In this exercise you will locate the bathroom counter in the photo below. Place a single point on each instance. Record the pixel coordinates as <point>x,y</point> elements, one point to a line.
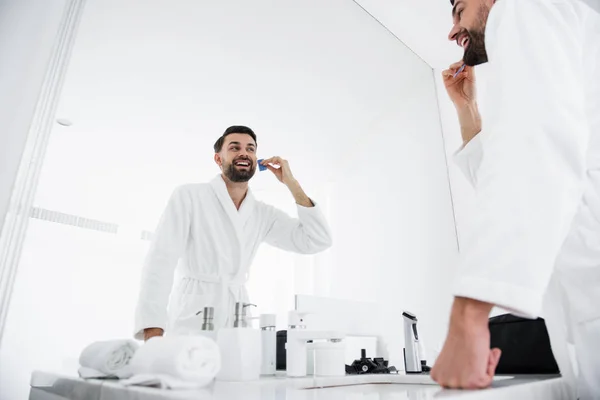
<point>48,386</point>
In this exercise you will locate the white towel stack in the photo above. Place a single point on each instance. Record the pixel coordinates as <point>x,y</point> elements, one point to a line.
<point>107,359</point>
<point>175,362</point>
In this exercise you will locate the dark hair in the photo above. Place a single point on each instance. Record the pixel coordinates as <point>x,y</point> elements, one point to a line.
<point>452,2</point>
<point>233,129</point>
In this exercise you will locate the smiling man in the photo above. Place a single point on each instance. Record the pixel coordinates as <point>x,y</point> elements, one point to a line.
<point>216,229</point>
<point>534,160</point>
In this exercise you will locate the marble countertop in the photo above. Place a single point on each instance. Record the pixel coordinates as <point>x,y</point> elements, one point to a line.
<point>49,386</point>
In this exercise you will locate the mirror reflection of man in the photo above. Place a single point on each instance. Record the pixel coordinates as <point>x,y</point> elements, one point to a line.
<point>215,229</point>
<point>534,160</point>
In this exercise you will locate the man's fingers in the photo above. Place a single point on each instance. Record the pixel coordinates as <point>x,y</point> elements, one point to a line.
<point>446,74</point>
<point>449,74</point>
<point>273,160</point>
<point>470,381</point>
<point>434,374</point>
<point>442,378</point>
<point>273,166</point>
<point>498,353</point>
<point>493,361</point>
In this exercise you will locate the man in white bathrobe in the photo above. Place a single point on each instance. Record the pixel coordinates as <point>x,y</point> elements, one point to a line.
<point>534,159</point>
<point>214,230</point>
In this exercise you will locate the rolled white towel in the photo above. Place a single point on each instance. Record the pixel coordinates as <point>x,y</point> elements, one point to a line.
<point>107,359</point>
<point>175,362</point>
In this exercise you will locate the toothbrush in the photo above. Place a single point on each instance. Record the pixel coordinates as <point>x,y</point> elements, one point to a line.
<point>460,70</point>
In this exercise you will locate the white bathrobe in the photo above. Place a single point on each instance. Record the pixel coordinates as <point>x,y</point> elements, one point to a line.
<point>536,169</point>
<point>215,244</point>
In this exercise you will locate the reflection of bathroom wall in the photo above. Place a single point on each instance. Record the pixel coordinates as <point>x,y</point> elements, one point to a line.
<point>78,282</point>
<point>22,71</point>
<point>28,34</point>
<point>73,286</point>
<point>395,236</point>
<point>150,87</point>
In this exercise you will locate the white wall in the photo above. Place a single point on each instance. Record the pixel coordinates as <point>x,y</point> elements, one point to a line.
<point>27,32</point>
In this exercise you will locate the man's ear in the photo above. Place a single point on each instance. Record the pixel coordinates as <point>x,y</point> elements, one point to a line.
<point>218,159</point>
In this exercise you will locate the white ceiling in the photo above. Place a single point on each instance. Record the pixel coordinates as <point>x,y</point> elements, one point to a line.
<point>422,25</point>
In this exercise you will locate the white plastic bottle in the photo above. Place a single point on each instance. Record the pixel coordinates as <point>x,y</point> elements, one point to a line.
<point>269,344</point>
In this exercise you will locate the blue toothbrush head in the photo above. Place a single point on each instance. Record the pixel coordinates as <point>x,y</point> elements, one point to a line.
<point>260,166</point>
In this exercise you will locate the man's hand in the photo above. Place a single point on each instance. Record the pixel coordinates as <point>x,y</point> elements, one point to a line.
<point>466,361</point>
<point>284,174</point>
<point>462,88</point>
<point>282,171</point>
<point>151,332</point>
<point>462,92</point>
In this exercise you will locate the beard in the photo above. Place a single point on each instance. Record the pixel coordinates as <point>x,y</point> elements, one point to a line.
<point>234,174</point>
<point>476,53</point>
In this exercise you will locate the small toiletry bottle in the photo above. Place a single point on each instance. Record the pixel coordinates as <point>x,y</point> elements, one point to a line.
<point>269,344</point>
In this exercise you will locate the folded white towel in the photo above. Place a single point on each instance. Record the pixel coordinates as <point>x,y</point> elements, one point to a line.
<point>107,359</point>
<point>175,362</point>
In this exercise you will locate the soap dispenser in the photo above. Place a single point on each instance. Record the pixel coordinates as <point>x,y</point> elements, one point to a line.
<point>240,320</point>
<point>208,327</point>
<point>269,344</point>
<point>241,349</point>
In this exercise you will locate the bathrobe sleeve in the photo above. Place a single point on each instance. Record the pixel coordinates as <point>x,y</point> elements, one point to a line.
<point>168,245</point>
<point>528,162</point>
<point>308,234</point>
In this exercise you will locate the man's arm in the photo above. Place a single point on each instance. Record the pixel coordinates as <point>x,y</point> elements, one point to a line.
<point>530,174</point>
<point>461,88</point>
<point>152,332</point>
<point>299,195</point>
<point>470,121</point>
<point>281,169</point>
<point>307,234</point>
<point>533,144</point>
<point>310,232</point>
<point>167,246</point>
